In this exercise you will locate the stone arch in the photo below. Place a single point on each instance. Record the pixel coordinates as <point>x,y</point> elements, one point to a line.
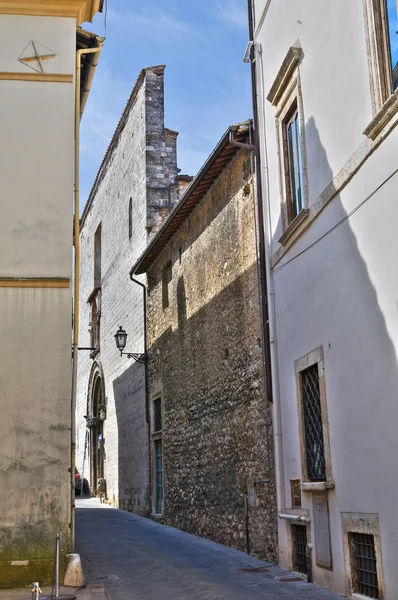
<point>96,415</point>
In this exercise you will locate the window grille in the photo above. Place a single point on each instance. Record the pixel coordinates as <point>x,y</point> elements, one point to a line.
<point>314,446</point>
<point>157,415</point>
<point>299,535</point>
<point>364,565</point>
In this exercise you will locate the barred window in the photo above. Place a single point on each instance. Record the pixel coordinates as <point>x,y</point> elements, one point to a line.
<point>363,564</point>
<point>299,535</point>
<point>157,415</point>
<point>313,430</point>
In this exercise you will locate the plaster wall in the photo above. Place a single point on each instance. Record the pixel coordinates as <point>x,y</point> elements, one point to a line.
<point>36,158</point>
<point>335,285</point>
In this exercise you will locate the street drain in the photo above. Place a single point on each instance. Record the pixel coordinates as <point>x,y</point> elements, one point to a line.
<point>289,579</point>
<point>255,570</point>
<point>106,577</point>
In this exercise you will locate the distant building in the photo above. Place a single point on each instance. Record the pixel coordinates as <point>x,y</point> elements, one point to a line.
<point>210,425</point>
<point>328,114</point>
<point>38,44</point>
<point>134,191</point>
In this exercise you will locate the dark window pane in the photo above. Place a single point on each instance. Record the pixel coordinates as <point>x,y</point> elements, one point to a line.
<point>157,415</point>
<point>311,397</point>
<point>299,535</point>
<point>295,167</point>
<point>364,564</point>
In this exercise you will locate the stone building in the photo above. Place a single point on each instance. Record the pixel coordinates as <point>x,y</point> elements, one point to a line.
<point>211,430</point>
<point>328,114</point>
<point>133,192</point>
<point>39,117</point>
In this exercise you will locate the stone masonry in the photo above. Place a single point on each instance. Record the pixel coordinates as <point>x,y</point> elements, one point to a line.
<point>135,188</point>
<point>206,366</point>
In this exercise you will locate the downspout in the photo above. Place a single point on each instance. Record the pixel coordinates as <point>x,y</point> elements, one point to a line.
<point>76,237</point>
<point>266,282</point>
<point>144,292</point>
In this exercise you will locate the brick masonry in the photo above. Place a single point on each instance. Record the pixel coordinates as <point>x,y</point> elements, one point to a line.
<point>140,165</point>
<point>207,368</point>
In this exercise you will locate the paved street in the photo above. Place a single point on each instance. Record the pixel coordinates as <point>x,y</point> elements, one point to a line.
<point>136,558</point>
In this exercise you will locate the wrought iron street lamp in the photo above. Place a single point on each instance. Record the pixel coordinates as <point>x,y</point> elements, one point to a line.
<point>121,340</point>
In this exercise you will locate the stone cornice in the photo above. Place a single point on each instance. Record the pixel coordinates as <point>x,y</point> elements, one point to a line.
<point>81,10</point>
<point>284,75</point>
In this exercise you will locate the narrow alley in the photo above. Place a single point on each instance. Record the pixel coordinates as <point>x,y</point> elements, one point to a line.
<point>136,558</point>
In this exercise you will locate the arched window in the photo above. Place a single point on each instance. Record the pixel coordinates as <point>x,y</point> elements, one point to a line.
<point>130,218</point>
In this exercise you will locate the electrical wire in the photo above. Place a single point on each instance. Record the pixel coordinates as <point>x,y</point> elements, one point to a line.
<point>345,218</point>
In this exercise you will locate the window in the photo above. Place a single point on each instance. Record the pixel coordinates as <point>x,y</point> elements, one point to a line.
<point>130,218</point>
<point>157,449</point>
<point>167,275</point>
<point>363,555</point>
<point>285,95</point>
<point>363,564</point>
<point>97,257</point>
<point>382,46</point>
<point>293,163</point>
<point>313,422</point>
<point>159,476</point>
<point>157,415</point>
<point>299,537</point>
<point>312,416</point>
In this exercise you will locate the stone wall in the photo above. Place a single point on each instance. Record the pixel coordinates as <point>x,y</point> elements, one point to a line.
<point>207,367</point>
<point>141,157</point>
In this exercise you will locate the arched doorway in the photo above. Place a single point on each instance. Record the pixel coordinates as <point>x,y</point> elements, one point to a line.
<point>97,436</point>
<point>96,415</point>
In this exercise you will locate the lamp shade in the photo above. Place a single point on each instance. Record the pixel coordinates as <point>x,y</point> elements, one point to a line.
<point>121,338</point>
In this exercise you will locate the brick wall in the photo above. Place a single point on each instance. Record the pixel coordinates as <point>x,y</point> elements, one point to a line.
<point>140,156</point>
<point>207,367</point>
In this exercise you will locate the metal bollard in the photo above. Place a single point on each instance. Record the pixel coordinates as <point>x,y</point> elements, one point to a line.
<point>36,591</point>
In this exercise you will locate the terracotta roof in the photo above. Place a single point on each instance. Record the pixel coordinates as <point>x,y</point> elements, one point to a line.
<point>213,167</point>
<point>158,69</point>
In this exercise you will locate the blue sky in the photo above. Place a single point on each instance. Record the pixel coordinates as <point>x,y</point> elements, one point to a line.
<point>207,85</point>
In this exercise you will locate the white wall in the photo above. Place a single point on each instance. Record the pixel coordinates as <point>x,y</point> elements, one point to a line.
<point>340,292</point>
<point>36,171</point>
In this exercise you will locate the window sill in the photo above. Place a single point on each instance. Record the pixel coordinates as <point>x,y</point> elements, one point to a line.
<point>318,486</point>
<point>383,117</point>
<point>295,224</point>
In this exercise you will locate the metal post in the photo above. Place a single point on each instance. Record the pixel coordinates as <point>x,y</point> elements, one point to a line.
<point>58,545</point>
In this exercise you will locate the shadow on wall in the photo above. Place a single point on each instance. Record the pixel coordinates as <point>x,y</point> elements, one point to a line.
<point>324,295</point>
<point>217,431</point>
<point>133,449</point>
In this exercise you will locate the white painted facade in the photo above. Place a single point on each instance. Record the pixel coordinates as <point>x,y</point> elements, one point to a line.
<point>37,152</point>
<point>335,278</point>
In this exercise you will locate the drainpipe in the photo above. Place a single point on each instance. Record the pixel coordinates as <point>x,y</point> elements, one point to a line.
<point>266,282</point>
<point>148,420</point>
<point>76,236</point>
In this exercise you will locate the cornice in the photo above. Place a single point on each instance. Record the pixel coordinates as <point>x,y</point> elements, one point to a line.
<point>81,10</point>
<point>285,73</point>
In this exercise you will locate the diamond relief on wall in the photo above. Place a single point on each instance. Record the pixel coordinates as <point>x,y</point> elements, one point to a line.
<point>37,57</point>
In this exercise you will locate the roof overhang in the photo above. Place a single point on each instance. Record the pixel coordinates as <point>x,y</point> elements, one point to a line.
<point>81,10</point>
<point>85,40</point>
<point>222,155</point>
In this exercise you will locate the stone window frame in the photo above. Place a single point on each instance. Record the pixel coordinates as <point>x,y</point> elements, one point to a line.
<point>384,99</point>
<point>315,357</point>
<point>367,523</point>
<point>285,94</point>
<point>156,436</point>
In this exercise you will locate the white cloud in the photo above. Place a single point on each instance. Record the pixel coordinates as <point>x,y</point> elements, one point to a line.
<point>233,12</point>
<point>161,26</point>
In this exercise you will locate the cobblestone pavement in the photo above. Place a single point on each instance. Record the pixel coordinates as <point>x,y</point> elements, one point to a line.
<point>91,592</point>
<point>138,559</point>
